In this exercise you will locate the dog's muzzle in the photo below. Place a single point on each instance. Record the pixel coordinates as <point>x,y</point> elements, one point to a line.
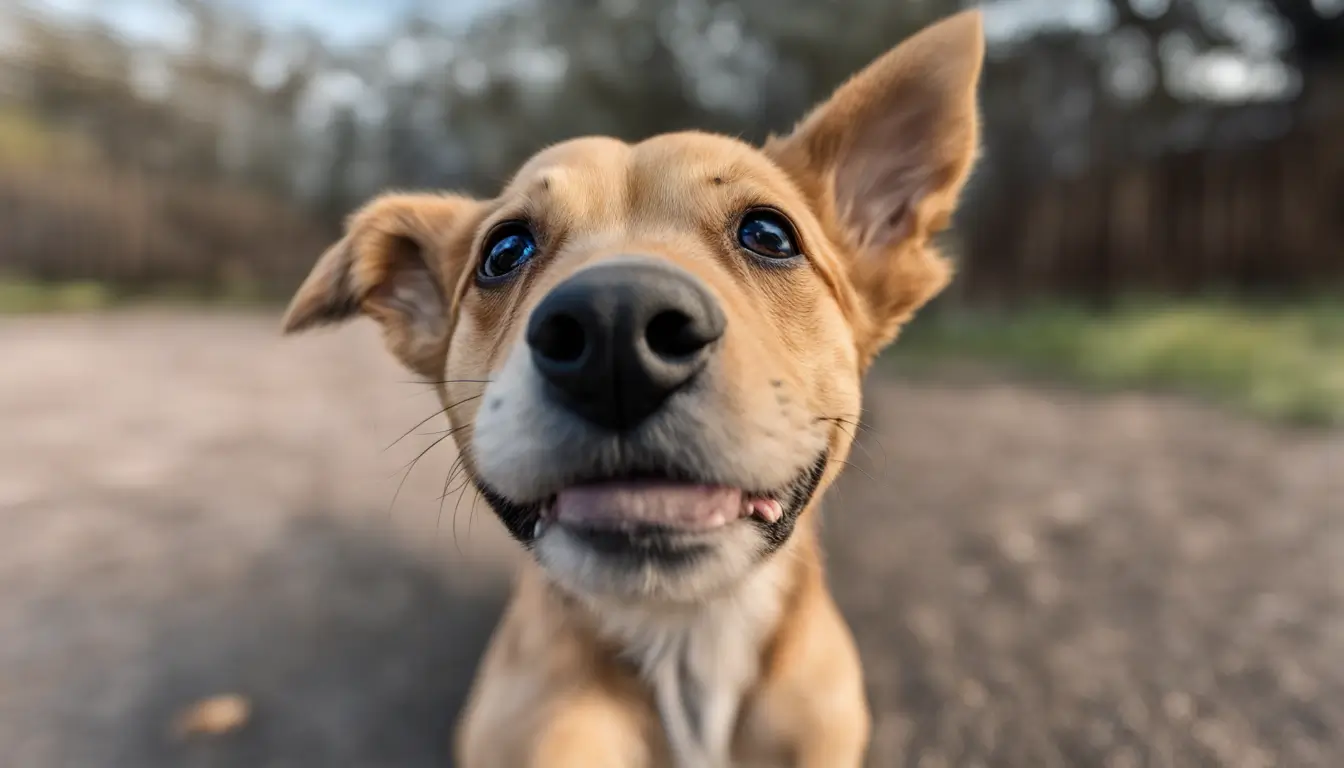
<point>614,341</point>
<point>616,443</point>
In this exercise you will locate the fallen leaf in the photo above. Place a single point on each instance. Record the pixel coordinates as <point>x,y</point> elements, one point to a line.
<point>214,716</point>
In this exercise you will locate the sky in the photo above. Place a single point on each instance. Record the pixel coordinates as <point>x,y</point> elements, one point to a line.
<point>344,22</point>
<point>341,22</point>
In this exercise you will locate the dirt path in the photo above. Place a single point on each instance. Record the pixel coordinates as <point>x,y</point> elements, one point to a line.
<point>191,505</point>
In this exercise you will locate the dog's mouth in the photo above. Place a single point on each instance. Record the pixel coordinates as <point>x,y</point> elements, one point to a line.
<point>646,506</point>
<point>676,507</point>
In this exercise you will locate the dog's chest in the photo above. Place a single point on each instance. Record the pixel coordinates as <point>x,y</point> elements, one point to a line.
<point>700,663</point>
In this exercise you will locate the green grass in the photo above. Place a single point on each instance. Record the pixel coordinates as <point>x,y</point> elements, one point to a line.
<point>22,297</point>
<point>1284,361</point>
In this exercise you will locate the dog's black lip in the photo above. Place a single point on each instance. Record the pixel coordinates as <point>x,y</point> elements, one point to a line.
<point>642,543</point>
<point>521,518</point>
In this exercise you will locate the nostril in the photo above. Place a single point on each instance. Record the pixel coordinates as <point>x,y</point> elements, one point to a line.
<point>561,339</point>
<point>671,334</point>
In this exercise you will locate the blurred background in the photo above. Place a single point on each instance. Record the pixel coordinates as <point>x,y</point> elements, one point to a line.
<point>1095,517</point>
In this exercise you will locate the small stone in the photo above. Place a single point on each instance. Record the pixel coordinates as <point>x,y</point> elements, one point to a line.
<point>973,694</point>
<point>1019,546</point>
<point>1178,706</point>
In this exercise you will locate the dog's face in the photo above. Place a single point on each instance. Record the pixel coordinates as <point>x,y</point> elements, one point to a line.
<point>651,354</point>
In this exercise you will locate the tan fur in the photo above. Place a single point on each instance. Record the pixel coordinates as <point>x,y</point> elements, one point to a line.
<point>580,676</point>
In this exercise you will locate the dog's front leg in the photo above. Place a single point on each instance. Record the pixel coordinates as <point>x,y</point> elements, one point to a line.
<point>545,696</point>
<point>576,730</point>
<point>810,708</point>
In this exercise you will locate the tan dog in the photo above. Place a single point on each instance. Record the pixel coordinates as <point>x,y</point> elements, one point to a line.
<point>651,356</point>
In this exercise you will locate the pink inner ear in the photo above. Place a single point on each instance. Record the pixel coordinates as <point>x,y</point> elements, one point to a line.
<point>877,201</point>
<point>410,289</point>
<point>883,174</point>
<point>883,219</point>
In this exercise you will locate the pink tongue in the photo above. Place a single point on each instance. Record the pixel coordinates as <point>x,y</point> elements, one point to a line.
<point>692,507</point>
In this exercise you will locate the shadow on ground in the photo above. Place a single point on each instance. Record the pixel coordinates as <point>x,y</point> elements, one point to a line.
<point>351,651</point>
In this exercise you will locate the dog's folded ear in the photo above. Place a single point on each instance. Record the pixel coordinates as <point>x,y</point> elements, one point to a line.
<point>885,158</point>
<point>398,263</point>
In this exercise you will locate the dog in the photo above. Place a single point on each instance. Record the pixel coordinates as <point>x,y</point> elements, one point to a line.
<point>651,357</point>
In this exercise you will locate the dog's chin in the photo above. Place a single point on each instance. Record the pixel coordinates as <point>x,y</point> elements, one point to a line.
<point>649,536</point>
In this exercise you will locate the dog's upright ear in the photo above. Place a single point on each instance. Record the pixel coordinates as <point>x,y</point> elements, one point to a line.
<point>399,262</point>
<point>883,161</point>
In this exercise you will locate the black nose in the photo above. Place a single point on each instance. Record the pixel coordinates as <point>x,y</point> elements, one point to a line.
<point>615,340</point>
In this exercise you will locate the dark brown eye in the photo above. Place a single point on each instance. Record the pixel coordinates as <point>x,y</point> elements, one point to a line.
<point>767,234</point>
<point>510,247</point>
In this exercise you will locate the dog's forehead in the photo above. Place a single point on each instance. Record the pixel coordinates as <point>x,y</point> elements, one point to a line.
<point>605,166</point>
<point>588,156</point>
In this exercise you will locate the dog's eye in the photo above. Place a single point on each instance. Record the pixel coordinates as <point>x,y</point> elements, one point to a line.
<point>509,247</point>
<point>767,234</point>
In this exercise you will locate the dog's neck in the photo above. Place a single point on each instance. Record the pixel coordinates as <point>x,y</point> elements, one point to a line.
<point>701,660</point>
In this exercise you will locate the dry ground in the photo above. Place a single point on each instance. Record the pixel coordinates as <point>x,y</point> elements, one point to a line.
<point>192,506</point>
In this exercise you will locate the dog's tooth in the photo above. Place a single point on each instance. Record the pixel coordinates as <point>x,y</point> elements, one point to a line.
<point>768,510</point>
<point>540,528</point>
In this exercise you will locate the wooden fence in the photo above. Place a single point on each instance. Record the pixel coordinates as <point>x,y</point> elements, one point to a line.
<point>1252,219</point>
